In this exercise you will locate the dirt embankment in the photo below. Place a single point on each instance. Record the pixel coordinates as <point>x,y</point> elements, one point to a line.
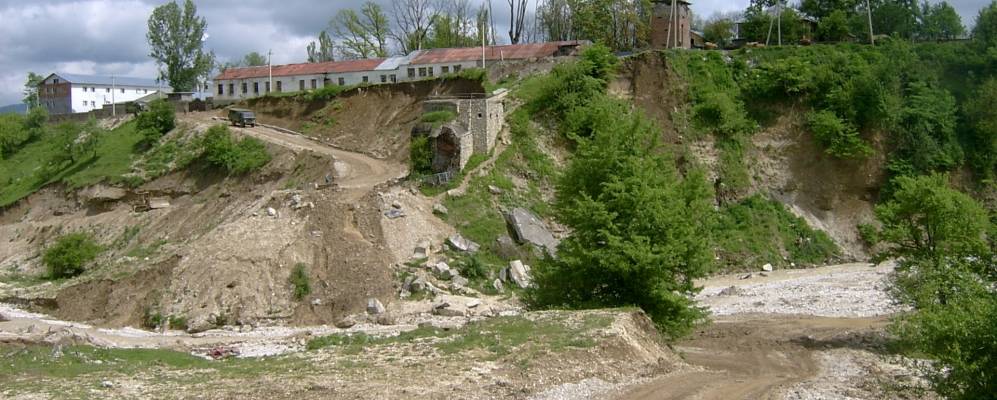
<point>784,161</point>
<point>375,120</point>
<point>223,251</point>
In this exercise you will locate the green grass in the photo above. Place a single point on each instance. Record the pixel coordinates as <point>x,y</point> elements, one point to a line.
<point>757,231</point>
<point>24,172</point>
<point>496,336</point>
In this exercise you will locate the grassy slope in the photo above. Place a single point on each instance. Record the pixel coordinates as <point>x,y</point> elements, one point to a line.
<point>22,176</point>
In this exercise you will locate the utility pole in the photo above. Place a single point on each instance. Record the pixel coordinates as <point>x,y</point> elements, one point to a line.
<point>484,35</point>
<point>270,67</point>
<point>868,9</point>
<point>779,20</point>
<point>114,107</point>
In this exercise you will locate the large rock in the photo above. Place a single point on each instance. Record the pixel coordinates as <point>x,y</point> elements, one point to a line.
<point>374,306</point>
<point>526,227</point>
<point>102,193</point>
<point>519,274</point>
<point>440,269</point>
<point>507,248</point>
<point>460,243</point>
<point>421,250</point>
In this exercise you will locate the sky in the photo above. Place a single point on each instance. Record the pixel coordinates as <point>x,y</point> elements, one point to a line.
<point>108,36</point>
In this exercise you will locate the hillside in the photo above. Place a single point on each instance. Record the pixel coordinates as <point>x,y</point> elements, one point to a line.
<point>311,239</point>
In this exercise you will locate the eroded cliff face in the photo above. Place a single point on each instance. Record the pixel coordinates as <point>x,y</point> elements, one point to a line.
<point>783,160</point>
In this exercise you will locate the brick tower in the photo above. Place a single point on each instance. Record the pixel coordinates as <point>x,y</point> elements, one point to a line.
<point>662,22</point>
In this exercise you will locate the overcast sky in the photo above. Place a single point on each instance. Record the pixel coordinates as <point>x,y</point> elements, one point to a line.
<point>108,36</point>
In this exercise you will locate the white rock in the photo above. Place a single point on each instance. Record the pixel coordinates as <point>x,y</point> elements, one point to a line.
<point>374,306</point>
<point>767,267</point>
<point>271,212</point>
<point>519,274</point>
<point>497,284</point>
<point>459,280</point>
<point>441,269</point>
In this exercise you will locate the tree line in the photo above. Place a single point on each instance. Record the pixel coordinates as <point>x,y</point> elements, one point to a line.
<point>836,20</point>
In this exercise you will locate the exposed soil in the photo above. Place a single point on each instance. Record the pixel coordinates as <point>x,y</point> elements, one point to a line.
<point>376,120</point>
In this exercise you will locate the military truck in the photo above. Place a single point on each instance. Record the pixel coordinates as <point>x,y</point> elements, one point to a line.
<point>241,117</point>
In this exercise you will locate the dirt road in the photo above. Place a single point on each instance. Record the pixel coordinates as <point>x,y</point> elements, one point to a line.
<point>352,170</point>
<point>771,330</point>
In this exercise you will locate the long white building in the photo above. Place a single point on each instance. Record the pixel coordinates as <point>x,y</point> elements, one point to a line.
<point>62,93</point>
<point>241,83</point>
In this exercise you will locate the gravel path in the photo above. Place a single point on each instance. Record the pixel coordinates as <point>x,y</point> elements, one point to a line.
<point>845,291</point>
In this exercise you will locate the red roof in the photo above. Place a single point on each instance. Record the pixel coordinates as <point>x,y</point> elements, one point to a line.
<point>329,67</point>
<point>507,52</point>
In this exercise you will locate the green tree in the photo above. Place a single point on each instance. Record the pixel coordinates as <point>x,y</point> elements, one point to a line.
<point>719,31</point>
<point>946,275</point>
<point>176,37</point>
<point>638,233</point>
<point>363,35</point>
<point>323,51</point>
<point>254,59</point>
<point>940,22</point>
<point>12,133</point>
<point>985,31</point>
<point>834,27</point>
<point>925,132</point>
<point>70,254</point>
<point>821,9</point>
<point>895,17</point>
<point>235,157</point>
<point>31,90</point>
<point>981,114</point>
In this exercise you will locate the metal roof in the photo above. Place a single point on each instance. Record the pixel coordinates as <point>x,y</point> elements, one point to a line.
<point>328,67</point>
<point>107,80</point>
<point>504,52</point>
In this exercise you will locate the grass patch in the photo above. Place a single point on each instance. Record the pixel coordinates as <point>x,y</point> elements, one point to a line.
<point>299,281</point>
<point>41,162</point>
<point>496,336</point>
<point>757,231</point>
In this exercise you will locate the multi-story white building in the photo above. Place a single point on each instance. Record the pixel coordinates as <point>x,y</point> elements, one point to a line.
<point>241,83</point>
<point>62,93</point>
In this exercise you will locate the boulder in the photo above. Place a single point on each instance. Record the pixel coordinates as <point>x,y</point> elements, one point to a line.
<point>346,323</point>
<point>418,284</point>
<point>494,190</point>
<point>507,248</point>
<point>449,309</point>
<point>421,250</point>
<point>526,227</point>
<point>271,212</point>
<point>519,274</point>
<point>458,280</point>
<point>394,213</point>
<point>374,306</point>
<point>440,209</point>
<point>102,193</point>
<point>767,267</point>
<point>497,284</point>
<point>504,274</point>
<point>440,269</point>
<point>459,243</point>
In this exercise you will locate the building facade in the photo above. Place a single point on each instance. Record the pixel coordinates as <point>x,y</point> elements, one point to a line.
<point>62,93</point>
<point>662,34</point>
<point>236,84</point>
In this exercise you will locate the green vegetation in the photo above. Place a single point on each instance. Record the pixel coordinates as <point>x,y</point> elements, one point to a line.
<point>438,118</point>
<point>300,282</point>
<point>155,122</point>
<point>496,336</point>
<point>235,157</point>
<point>70,254</point>
<point>759,231</point>
<point>17,130</point>
<point>947,276</point>
<point>838,137</point>
<point>421,155</point>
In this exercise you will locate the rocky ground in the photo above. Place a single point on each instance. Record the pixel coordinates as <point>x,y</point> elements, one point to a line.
<point>791,334</point>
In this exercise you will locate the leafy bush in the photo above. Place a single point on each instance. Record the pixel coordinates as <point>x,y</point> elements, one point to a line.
<point>723,114</point>
<point>420,155</point>
<point>981,114</point>
<point>947,276</point>
<point>235,157</point>
<point>155,122</point>
<point>985,30</point>
<point>299,281</point>
<point>326,93</point>
<point>473,268</point>
<point>834,27</point>
<point>70,253</point>
<point>926,130</point>
<point>838,137</point>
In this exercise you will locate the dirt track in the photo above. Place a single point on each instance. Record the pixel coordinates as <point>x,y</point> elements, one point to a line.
<point>771,330</point>
<point>353,170</point>
<point>755,356</point>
